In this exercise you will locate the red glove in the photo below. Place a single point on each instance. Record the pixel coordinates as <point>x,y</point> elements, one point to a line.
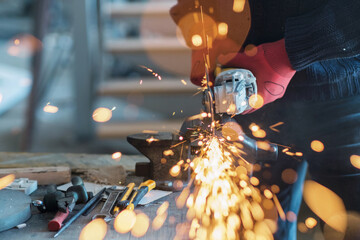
<point>270,65</point>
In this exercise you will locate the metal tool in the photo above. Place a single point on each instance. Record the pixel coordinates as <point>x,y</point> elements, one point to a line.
<point>106,211</point>
<point>135,198</point>
<point>232,90</point>
<point>14,208</point>
<point>74,195</point>
<point>81,211</point>
<point>124,196</point>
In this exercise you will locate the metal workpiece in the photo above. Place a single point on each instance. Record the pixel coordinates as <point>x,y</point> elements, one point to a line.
<point>15,208</point>
<point>160,162</point>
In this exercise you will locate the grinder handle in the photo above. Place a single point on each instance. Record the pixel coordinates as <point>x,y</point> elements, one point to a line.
<point>56,223</point>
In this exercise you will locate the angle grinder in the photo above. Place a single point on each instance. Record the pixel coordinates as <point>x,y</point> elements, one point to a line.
<point>230,96</point>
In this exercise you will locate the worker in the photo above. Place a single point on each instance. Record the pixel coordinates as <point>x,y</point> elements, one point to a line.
<point>305,57</point>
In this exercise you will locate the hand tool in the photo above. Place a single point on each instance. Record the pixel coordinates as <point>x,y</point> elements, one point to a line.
<point>230,96</point>
<point>83,209</point>
<point>125,195</point>
<point>106,211</point>
<point>74,194</point>
<point>135,198</point>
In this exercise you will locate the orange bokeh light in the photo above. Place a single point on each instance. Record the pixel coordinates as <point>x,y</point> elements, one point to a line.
<point>6,181</point>
<point>125,221</point>
<point>317,146</point>
<point>116,156</point>
<point>51,109</point>
<point>326,205</point>
<point>310,222</point>
<point>102,114</point>
<point>175,170</point>
<point>95,230</point>
<point>355,161</point>
<point>289,176</point>
<point>141,225</point>
<point>256,101</point>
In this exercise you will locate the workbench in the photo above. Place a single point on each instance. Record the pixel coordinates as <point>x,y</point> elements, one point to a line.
<point>36,228</point>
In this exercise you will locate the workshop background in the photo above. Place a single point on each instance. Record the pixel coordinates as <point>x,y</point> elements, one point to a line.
<point>62,60</point>
<point>79,76</point>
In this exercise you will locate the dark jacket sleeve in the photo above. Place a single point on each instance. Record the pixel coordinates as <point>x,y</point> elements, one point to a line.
<point>328,32</point>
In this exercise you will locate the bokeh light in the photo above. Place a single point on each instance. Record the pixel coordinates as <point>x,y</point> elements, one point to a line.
<point>317,146</point>
<point>289,176</point>
<point>355,160</point>
<point>116,156</point>
<point>196,40</point>
<point>326,205</point>
<point>6,181</point>
<point>141,225</point>
<point>102,114</point>
<point>256,101</point>
<point>95,230</point>
<point>125,221</point>
<point>50,109</point>
<point>310,222</point>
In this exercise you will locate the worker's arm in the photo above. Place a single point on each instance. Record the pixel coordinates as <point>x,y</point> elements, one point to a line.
<point>328,32</point>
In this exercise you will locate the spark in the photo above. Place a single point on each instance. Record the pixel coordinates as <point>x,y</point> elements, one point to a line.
<point>152,139</point>
<point>183,82</point>
<point>116,156</point>
<point>152,72</point>
<point>273,127</point>
<point>141,82</point>
<point>168,152</point>
<point>225,203</point>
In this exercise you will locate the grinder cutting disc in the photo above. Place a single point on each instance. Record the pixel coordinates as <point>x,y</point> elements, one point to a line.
<point>14,208</point>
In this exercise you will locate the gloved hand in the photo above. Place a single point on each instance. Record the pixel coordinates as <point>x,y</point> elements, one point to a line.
<point>270,65</point>
<point>205,17</point>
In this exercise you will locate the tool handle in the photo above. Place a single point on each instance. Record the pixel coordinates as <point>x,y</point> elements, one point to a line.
<point>139,195</point>
<point>81,211</point>
<point>56,223</point>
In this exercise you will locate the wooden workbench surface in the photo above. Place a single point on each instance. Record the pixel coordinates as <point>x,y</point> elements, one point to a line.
<point>36,228</point>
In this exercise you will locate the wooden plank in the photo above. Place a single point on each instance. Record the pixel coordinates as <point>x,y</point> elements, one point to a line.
<point>120,87</point>
<point>74,161</point>
<point>123,129</point>
<point>44,175</point>
<point>138,9</point>
<point>170,45</point>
